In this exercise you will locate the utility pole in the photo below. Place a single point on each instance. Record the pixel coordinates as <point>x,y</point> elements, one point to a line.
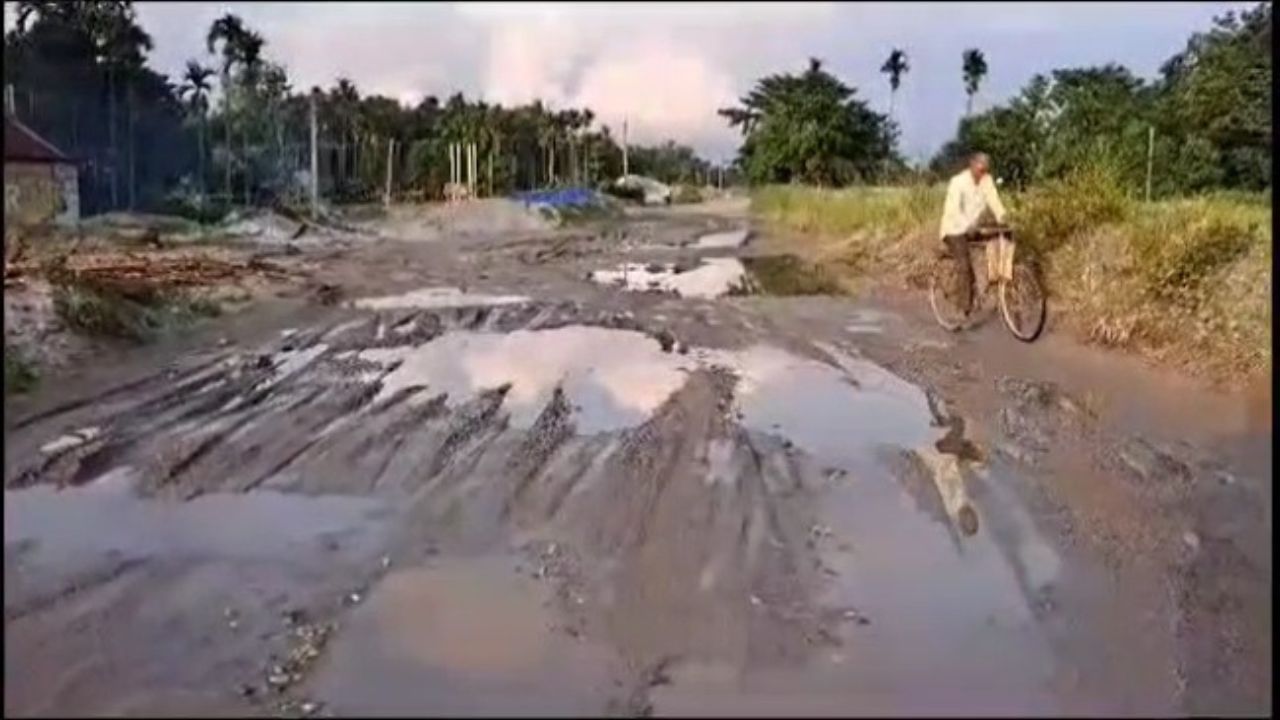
<point>386,197</point>
<point>626,168</point>
<point>315,162</point>
<point>1151,154</point>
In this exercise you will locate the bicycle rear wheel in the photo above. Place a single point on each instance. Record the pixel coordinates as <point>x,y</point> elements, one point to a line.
<point>944,294</point>
<point>1022,304</point>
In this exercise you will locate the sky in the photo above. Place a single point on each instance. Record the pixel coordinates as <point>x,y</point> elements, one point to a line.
<point>667,67</point>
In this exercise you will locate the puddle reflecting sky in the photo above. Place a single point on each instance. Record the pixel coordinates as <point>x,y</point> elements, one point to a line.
<point>435,298</point>
<point>836,414</point>
<point>613,378</point>
<point>712,278</point>
<point>106,517</point>
<point>728,239</point>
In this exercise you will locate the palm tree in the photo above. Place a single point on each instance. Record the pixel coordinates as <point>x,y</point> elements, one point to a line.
<point>975,69</point>
<point>895,67</point>
<point>345,103</point>
<point>249,55</point>
<point>196,88</point>
<point>228,31</point>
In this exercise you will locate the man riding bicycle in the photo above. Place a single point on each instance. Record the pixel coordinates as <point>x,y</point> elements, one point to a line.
<point>971,200</point>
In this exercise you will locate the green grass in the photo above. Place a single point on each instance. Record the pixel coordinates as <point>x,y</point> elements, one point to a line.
<point>20,372</point>
<point>1187,282</point>
<point>140,317</point>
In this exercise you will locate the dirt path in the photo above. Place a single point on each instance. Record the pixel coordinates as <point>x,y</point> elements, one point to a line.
<point>490,485</point>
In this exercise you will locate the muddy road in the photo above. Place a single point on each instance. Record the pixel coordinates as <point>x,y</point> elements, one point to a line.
<point>601,470</point>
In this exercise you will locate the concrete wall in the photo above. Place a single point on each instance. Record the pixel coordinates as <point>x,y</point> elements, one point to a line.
<point>40,192</point>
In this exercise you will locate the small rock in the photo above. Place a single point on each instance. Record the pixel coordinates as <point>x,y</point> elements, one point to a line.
<point>352,598</point>
<point>223,342</point>
<point>667,340</point>
<point>386,562</point>
<point>1191,540</point>
<point>247,690</point>
<point>755,600</point>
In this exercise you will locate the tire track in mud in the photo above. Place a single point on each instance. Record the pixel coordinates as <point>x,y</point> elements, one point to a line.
<point>686,537</point>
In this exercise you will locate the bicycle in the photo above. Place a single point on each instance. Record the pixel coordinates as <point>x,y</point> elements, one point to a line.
<point>1020,296</point>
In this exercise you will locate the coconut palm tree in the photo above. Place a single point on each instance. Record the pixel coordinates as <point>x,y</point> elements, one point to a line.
<point>196,87</point>
<point>974,67</point>
<point>225,38</point>
<point>895,67</point>
<point>249,55</point>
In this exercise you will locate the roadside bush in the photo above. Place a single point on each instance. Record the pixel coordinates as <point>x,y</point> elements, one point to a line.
<point>685,195</point>
<point>137,316</point>
<point>1052,214</point>
<point>20,373</point>
<point>1187,282</point>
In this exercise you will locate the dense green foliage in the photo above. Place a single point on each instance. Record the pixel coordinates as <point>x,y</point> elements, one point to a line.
<point>810,128</point>
<point>670,163</point>
<point>1209,114</point>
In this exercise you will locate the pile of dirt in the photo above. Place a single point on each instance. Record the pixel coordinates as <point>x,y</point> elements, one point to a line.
<point>49,288</point>
<point>431,223</point>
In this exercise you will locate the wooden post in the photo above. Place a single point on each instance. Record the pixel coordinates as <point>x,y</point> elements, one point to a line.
<point>386,197</point>
<point>315,161</point>
<point>1151,153</point>
<point>626,168</point>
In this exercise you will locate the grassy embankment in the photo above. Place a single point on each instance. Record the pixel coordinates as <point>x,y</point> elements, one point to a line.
<point>1186,282</point>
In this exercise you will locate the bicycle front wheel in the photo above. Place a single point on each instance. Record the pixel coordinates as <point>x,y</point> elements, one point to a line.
<point>1022,304</point>
<point>944,295</point>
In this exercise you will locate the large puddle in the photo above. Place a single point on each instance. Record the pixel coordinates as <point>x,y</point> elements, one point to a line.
<point>463,636</point>
<point>614,379</point>
<point>711,278</point>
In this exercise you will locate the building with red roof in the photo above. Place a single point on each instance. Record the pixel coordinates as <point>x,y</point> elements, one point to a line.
<point>41,184</point>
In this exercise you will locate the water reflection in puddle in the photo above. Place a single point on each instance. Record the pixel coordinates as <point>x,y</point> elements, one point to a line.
<point>837,414</point>
<point>713,277</point>
<point>106,517</point>
<point>612,378</point>
<point>437,298</point>
<point>465,635</point>
<point>728,239</point>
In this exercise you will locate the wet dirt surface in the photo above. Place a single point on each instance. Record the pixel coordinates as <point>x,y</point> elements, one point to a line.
<point>488,485</point>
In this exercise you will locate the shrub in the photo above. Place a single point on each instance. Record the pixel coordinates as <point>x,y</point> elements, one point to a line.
<point>685,195</point>
<point>138,315</point>
<point>20,373</point>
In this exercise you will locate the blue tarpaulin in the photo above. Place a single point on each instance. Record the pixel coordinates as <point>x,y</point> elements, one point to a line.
<point>564,198</point>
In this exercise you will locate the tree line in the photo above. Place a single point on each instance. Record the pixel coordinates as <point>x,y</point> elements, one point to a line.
<point>1204,124</point>
<point>234,127</point>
